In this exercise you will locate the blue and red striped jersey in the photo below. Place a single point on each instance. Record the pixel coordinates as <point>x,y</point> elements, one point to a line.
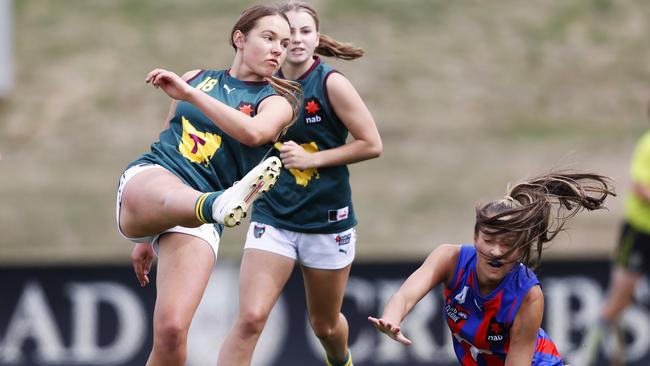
<point>480,325</point>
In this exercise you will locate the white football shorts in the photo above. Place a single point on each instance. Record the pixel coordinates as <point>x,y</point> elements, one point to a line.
<point>319,251</point>
<point>207,232</point>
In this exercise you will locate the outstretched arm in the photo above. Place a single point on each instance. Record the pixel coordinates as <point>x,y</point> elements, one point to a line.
<point>273,115</point>
<point>437,268</point>
<point>523,334</point>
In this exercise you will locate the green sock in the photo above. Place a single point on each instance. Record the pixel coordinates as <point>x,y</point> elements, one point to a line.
<point>346,362</point>
<point>203,207</point>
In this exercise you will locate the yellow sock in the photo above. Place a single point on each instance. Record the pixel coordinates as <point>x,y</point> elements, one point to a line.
<point>346,362</point>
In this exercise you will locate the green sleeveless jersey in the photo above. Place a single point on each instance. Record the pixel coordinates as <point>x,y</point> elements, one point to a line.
<point>311,200</point>
<point>199,152</point>
<point>637,210</point>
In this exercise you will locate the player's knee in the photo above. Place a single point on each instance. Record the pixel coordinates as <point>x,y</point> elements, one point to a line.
<point>323,328</point>
<point>252,322</point>
<point>170,334</point>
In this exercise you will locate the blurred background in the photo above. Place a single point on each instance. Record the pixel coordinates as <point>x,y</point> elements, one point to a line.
<point>468,97</point>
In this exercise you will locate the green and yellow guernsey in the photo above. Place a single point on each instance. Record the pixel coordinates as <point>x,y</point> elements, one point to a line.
<point>199,152</point>
<point>637,210</point>
<point>311,200</point>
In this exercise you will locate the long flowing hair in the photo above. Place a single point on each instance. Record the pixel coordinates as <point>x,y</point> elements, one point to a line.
<point>527,209</point>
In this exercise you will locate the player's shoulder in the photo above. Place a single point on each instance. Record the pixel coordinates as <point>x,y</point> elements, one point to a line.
<point>535,293</point>
<point>334,80</point>
<point>449,250</point>
<point>447,254</point>
<point>191,74</point>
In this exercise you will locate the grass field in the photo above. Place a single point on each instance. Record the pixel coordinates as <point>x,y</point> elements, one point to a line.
<point>468,96</point>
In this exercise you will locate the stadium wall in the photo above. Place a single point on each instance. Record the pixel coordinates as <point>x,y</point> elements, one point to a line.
<point>100,316</point>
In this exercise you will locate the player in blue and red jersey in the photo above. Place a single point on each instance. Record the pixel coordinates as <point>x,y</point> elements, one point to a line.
<point>493,301</point>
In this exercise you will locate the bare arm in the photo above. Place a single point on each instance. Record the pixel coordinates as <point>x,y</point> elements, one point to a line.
<point>523,333</point>
<point>356,117</point>
<point>273,115</point>
<point>437,268</point>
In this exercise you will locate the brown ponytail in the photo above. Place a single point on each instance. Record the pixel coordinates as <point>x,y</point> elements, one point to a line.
<point>292,92</point>
<point>330,47</point>
<point>526,209</point>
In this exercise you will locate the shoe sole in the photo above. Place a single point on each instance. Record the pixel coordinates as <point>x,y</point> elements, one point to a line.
<point>260,181</point>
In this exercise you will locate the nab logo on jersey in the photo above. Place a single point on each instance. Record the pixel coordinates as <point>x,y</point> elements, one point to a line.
<point>496,331</point>
<point>312,111</point>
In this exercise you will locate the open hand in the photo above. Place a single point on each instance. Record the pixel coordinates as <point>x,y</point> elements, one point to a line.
<point>390,330</point>
<point>172,84</point>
